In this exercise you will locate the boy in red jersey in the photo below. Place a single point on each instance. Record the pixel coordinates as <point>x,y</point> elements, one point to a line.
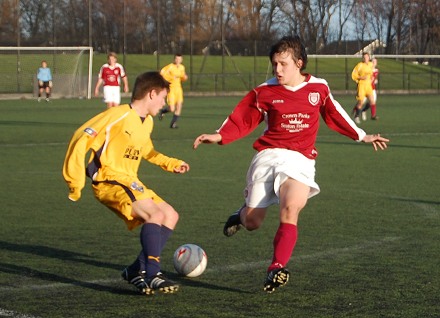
<point>283,169</point>
<point>110,75</point>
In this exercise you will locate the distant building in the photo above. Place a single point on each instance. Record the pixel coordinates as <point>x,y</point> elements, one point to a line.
<point>354,47</point>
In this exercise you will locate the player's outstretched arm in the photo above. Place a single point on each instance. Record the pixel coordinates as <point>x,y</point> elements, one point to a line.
<point>184,167</point>
<point>377,141</point>
<point>207,139</point>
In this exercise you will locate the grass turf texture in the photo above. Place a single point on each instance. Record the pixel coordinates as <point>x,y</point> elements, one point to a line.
<point>368,244</point>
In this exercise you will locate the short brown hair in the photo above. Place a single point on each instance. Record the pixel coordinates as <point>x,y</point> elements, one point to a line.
<point>112,54</point>
<point>147,82</point>
<point>292,44</point>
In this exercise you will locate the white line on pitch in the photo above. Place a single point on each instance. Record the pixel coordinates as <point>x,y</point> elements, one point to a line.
<point>13,314</point>
<point>331,253</point>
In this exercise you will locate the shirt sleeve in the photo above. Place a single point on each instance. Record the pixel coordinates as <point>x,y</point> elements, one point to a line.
<point>101,72</point>
<point>74,167</point>
<point>163,161</point>
<point>165,72</point>
<point>243,120</point>
<point>122,71</point>
<point>355,73</point>
<point>338,120</point>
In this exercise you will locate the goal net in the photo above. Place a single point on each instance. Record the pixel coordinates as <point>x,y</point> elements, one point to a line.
<point>71,69</point>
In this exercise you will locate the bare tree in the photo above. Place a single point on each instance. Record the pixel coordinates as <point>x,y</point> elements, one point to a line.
<point>345,9</point>
<point>8,21</point>
<point>425,26</point>
<point>145,26</point>
<point>310,19</point>
<point>37,20</point>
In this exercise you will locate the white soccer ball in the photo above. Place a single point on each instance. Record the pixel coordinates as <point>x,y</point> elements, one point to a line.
<point>190,260</point>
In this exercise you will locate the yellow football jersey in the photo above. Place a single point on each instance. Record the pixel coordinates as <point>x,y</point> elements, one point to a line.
<point>173,73</point>
<point>362,69</point>
<point>118,139</point>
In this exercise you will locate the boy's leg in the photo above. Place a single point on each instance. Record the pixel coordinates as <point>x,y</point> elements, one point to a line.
<point>372,100</point>
<point>140,264</point>
<point>173,123</point>
<point>157,215</point>
<point>293,197</point>
<point>163,111</point>
<point>357,112</point>
<point>176,116</point>
<point>151,247</point>
<point>249,218</point>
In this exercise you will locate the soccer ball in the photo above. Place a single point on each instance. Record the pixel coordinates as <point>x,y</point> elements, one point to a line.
<point>190,260</point>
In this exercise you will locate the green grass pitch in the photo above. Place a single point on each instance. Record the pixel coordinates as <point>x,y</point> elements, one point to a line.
<point>368,244</point>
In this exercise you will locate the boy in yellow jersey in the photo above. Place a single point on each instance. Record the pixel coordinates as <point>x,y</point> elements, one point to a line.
<point>361,74</point>
<point>175,74</point>
<point>118,139</point>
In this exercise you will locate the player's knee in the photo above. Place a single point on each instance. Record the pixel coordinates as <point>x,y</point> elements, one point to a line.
<point>252,223</point>
<point>172,217</point>
<point>290,213</point>
<point>157,217</point>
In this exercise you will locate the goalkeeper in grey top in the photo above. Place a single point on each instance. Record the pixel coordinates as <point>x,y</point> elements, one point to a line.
<point>44,77</point>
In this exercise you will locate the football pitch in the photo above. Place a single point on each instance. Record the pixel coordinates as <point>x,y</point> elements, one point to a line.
<point>368,244</point>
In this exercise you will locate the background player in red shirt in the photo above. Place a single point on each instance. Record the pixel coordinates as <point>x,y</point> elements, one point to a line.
<point>283,169</point>
<point>110,75</point>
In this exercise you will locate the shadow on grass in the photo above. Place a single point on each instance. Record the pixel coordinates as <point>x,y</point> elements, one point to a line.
<point>23,271</point>
<point>51,252</point>
<point>64,255</point>
<point>184,281</point>
<point>416,201</point>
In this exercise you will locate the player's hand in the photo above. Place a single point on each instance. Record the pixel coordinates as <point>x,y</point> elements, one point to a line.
<point>207,139</point>
<point>184,167</point>
<point>74,194</point>
<point>40,83</point>
<point>96,93</point>
<point>126,89</point>
<point>377,141</point>
<point>50,84</point>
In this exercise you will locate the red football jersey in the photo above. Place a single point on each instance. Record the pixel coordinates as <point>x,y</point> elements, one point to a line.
<point>291,115</point>
<point>110,75</point>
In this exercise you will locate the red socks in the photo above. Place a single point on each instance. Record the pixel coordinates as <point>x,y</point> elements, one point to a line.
<point>373,110</point>
<point>283,244</point>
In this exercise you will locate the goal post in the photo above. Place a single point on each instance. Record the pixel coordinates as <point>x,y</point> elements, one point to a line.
<point>71,69</point>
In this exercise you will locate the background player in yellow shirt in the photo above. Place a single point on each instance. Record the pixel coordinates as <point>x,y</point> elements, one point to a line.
<point>374,82</point>
<point>361,74</point>
<point>175,74</point>
<point>118,139</point>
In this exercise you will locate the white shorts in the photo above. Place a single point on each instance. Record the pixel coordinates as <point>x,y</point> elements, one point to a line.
<point>270,168</point>
<point>112,94</point>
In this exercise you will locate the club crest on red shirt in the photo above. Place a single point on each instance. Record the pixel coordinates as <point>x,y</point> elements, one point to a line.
<point>314,98</point>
